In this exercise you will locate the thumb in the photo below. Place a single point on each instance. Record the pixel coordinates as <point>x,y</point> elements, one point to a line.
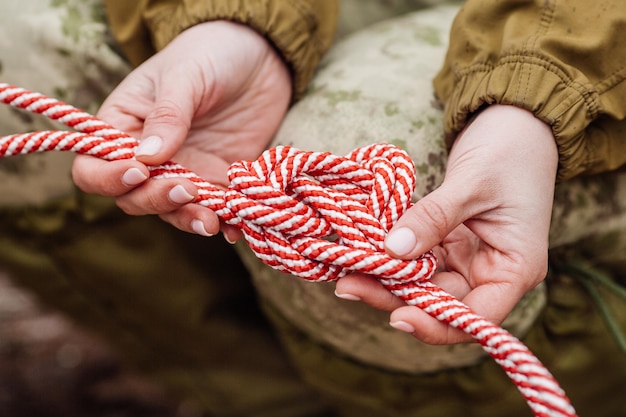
<point>167,124</point>
<point>424,225</point>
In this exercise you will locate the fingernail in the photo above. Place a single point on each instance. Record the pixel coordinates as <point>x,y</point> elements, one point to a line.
<point>232,242</point>
<point>401,241</point>
<point>149,146</point>
<point>350,297</point>
<point>403,326</point>
<point>134,176</point>
<point>198,227</point>
<point>179,195</point>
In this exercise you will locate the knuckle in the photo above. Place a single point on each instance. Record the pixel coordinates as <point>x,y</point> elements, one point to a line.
<point>108,188</point>
<point>165,112</point>
<point>434,214</point>
<point>430,339</point>
<point>430,334</point>
<point>136,205</point>
<point>154,204</point>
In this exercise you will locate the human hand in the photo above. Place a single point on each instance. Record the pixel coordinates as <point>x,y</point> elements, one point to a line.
<point>216,94</point>
<point>488,223</point>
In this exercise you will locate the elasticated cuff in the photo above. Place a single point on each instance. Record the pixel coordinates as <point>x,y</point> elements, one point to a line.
<point>561,100</point>
<point>300,31</point>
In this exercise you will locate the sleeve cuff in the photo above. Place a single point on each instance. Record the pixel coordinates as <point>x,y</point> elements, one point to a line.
<point>300,31</point>
<point>566,102</point>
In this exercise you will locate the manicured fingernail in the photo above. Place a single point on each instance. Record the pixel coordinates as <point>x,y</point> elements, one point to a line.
<point>401,241</point>
<point>179,195</point>
<point>403,326</point>
<point>149,146</point>
<point>227,239</point>
<point>350,297</point>
<point>134,176</point>
<point>198,227</point>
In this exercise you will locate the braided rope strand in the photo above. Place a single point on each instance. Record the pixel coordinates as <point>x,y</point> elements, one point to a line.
<point>314,215</point>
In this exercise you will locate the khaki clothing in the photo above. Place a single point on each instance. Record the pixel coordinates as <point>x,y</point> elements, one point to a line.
<point>562,60</point>
<point>366,91</point>
<point>382,61</point>
<point>181,309</point>
<point>301,30</point>
<point>50,49</point>
<point>178,308</point>
<point>566,69</point>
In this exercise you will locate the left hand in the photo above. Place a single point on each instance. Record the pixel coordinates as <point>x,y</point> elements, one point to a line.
<point>216,94</point>
<point>488,222</point>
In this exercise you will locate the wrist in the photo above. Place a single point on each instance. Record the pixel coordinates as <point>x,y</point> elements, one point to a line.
<point>513,129</point>
<point>505,153</point>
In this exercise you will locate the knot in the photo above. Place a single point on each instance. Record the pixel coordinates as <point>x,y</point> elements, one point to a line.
<point>320,216</point>
<point>314,215</point>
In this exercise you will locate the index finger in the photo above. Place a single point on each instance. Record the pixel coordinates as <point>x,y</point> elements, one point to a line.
<point>108,178</point>
<point>492,301</point>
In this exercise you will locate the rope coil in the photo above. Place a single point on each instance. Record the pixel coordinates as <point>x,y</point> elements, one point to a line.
<point>314,215</point>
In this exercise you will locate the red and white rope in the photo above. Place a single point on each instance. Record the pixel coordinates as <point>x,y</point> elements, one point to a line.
<point>314,215</point>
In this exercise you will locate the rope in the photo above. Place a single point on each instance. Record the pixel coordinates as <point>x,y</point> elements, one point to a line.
<point>314,215</point>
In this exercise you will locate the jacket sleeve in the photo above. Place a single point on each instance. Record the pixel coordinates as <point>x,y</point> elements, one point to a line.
<point>564,60</point>
<point>301,30</point>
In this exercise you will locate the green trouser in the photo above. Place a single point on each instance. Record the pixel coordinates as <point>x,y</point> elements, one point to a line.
<point>375,85</point>
<point>178,307</point>
<point>181,308</point>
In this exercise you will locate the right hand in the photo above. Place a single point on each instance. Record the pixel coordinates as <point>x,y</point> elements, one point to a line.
<point>488,224</point>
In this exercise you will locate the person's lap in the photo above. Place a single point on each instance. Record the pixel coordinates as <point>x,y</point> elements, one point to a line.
<point>375,86</point>
<point>179,308</point>
<point>81,254</point>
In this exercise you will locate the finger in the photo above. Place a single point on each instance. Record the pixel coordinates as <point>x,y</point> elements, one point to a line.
<point>208,166</point>
<point>492,302</point>
<point>158,197</point>
<point>121,119</point>
<point>194,218</point>
<point>231,233</point>
<point>361,287</point>
<point>425,224</point>
<point>453,283</point>
<point>109,178</point>
<point>441,255</point>
<point>128,104</point>
<point>167,124</point>
<point>427,329</point>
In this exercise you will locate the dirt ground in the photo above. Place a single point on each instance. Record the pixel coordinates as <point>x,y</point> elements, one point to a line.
<point>51,368</point>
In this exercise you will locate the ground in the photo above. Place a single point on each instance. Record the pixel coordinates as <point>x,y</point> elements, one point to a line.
<point>49,367</point>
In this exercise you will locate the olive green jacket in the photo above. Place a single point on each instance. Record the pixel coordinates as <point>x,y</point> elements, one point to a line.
<point>564,60</point>
<point>301,30</point>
